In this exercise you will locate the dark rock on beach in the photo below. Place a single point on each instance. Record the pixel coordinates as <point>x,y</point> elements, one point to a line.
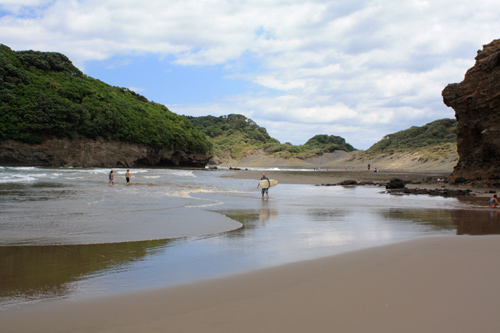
<point>395,183</point>
<point>348,182</point>
<point>436,192</point>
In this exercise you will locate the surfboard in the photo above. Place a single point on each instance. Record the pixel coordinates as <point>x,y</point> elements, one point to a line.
<point>265,184</point>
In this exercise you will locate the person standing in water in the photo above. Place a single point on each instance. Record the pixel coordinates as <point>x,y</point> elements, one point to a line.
<point>265,190</point>
<point>127,176</point>
<point>493,200</point>
<point>111,178</point>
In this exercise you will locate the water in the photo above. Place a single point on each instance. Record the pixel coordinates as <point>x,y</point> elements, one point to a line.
<point>65,234</point>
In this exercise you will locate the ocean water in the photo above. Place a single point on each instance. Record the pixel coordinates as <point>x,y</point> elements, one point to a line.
<point>66,235</point>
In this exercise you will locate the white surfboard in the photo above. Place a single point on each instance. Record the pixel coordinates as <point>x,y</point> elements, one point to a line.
<point>265,184</point>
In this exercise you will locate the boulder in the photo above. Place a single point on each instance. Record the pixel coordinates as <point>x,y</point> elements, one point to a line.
<point>395,183</point>
<point>348,182</point>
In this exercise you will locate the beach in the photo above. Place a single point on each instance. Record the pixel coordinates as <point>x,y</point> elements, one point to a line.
<point>328,176</point>
<point>425,179</point>
<point>433,284</point>
<point>436,283</point>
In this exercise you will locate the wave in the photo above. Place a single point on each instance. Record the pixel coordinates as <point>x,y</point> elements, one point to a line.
<point>17,179</point>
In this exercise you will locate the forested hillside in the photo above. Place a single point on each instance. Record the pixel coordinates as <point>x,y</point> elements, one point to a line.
<point>434,133</point>
<point>236,136</point>
<point>43,95</point>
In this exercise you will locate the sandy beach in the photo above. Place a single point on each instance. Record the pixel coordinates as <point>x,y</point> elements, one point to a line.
<point>336,176</point>
<point>420,178</point>
<point>429,284</point>
<point>433,284</point>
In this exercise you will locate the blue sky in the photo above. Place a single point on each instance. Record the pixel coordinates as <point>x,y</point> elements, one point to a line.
<point>359,69</point>
<point>163,82</point>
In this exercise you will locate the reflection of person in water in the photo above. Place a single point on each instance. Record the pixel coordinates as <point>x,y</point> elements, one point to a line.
<point>493,201</point>
<point>264,212</point>
<point>267,212</point>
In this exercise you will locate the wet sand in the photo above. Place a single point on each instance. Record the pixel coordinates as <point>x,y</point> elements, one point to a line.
<point>419,179</point>
<point>432,284</point>
<point>336,176</point>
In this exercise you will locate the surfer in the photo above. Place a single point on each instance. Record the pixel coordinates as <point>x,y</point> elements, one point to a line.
<point>493,200</point>
<point>127,176</point>
<point>265,190</point>
<point>111,178</point>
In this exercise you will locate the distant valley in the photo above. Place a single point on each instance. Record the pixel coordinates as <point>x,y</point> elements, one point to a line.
<point>240,142</point>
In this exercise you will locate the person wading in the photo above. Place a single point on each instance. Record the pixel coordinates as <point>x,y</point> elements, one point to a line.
<point>265,190</point>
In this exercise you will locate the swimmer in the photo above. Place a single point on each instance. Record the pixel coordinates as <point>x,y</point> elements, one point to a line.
<point>493,200</point>
<point>111,178</point>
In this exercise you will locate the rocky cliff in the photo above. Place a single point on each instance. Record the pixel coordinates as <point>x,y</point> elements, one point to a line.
<point>476,101</point>
<point>95,153</point>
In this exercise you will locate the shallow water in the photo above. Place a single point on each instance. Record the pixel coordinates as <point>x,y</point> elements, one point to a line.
<point>64,234</point>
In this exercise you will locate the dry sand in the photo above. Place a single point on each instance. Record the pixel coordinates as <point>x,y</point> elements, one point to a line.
<point>443,157</point>
<point>433,284</point>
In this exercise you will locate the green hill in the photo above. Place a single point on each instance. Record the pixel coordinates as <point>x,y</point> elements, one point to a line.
<point>43,95</point>
<point>329,143</point>
<point>432,147</point>
<point>434,133</point>
<point>235,136</point>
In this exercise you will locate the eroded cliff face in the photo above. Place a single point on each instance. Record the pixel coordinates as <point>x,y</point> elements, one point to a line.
<point>95,153</point>
<point>476,101</point>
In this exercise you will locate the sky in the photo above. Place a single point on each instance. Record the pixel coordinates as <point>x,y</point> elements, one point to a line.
<point>359,69</point>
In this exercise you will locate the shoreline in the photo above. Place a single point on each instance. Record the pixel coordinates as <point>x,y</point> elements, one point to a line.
<point>419,179</point>
<point>432,284</point>
<point>335,176</point>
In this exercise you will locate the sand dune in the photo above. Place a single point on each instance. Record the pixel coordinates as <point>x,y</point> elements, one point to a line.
<point>357,160</point>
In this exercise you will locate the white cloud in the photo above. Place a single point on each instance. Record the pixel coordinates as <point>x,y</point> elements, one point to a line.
<point>360,67</point>
<point>137,89</point>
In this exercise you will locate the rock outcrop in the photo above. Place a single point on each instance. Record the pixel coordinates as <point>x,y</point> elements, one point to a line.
<point>476,101</point>
<point>95,153</point>
<point>443,192</point>
<point>395,183</point>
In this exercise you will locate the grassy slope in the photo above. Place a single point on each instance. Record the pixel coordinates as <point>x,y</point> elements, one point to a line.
<point>236,138</point>
<point>442,157</point>
<point>436,157</point>
<point>430,147</point>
